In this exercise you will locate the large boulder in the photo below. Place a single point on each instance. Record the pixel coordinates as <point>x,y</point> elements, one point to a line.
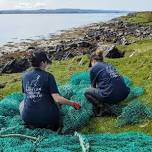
<point>15,66</point>
<point>113,52</point>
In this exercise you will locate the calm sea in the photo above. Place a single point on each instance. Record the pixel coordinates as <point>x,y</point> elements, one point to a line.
<point>34,26</point>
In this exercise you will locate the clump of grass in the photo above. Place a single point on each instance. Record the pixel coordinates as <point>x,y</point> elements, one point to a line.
<point>13,83</point>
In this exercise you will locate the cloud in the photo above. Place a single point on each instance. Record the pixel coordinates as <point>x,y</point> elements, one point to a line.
<point>39,5</point>
<point>23,5</point>
<point>28,5</point>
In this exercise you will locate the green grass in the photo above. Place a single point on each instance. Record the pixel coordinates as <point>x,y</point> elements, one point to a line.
<point>138,67</point>
<point>140,17</point>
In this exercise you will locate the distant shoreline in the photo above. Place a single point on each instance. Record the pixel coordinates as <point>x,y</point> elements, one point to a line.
<point>60,11</point>
<point>37,36</point>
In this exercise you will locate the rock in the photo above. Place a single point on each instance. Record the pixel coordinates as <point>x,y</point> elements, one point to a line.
<point>59,48</point>
<point>63,55</point>
<point>51,47</point>
<point>51,53</point>
<point>121,40</point>
<point>90,33</point>
<point>113,52</point>
<point>97,38</point>
<point>59,51</point>
<point>124,41</point>
<point>137,32</point>
<point>15,66</point>
<point>84,44</point>
<point>145,33</point>
<point>120,34</point>
<point>72,45</point>
<point>68,55</point>
<point>31,48</point>
<point>96,33</point>
<point>58,55</point>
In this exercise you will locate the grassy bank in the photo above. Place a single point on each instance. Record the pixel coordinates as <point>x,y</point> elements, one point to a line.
<point>139,17</point>
<point>137,64</point>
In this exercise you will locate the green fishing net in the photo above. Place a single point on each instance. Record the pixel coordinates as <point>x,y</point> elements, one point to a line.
<point>134,112</point>
<point>74,90</point>
<point>15,137</point>
<point>122,142</point>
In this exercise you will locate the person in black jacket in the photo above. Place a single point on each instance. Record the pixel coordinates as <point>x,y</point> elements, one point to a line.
<point>40,106</point>
<point>108,86</point>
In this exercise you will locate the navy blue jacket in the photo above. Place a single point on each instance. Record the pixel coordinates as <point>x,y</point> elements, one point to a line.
<point>39,106</point>
<point>111,85</point>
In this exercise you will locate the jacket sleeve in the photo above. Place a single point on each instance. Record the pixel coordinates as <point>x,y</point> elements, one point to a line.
<point>92,78</point>
<point>52,84</point>
<point>22,88</point>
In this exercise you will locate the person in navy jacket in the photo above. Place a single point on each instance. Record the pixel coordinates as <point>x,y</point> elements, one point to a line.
<point>40,106</point>
<point>108,86</point>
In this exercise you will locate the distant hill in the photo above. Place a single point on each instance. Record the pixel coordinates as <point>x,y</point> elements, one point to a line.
<point>58,11</point>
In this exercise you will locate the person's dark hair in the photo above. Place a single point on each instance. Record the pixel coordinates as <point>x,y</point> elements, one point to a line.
<point>97,56</point>
<point>38,57</point>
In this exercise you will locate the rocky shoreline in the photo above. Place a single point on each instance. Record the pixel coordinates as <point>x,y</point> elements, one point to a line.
<point>75,42</point>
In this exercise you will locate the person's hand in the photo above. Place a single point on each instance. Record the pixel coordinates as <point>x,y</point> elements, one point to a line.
<point>76,105</point>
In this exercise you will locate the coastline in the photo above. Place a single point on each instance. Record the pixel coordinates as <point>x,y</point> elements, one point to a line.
<point>51,41</point>
<point>21,30</point>
<point>9,47</point>
<point>77,41</point>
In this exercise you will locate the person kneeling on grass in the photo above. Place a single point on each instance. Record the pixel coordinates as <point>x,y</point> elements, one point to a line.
<point>108,86</point>
<point>40,106</point>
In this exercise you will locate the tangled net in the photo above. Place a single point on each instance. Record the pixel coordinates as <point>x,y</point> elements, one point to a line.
<point>15,137</point>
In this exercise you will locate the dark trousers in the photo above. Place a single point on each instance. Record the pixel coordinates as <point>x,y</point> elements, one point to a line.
<point>100,106</point>
<point>93,96</point>
<point>54,127</point>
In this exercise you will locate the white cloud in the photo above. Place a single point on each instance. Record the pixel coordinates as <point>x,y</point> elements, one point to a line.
<point>28,5</point>
<point>23,5</point>
<point>40,5</point>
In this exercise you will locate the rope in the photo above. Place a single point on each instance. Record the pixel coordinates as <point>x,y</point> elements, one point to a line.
<point>83,143</point>
<point>20,136</point>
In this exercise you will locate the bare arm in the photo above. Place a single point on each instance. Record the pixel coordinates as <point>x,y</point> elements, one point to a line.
<point>59,99</point>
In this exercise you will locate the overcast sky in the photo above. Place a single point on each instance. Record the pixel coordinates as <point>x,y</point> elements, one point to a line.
<point>132,5</point>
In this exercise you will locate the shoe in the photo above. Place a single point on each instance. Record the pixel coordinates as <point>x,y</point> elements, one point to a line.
<point>99,111</point>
